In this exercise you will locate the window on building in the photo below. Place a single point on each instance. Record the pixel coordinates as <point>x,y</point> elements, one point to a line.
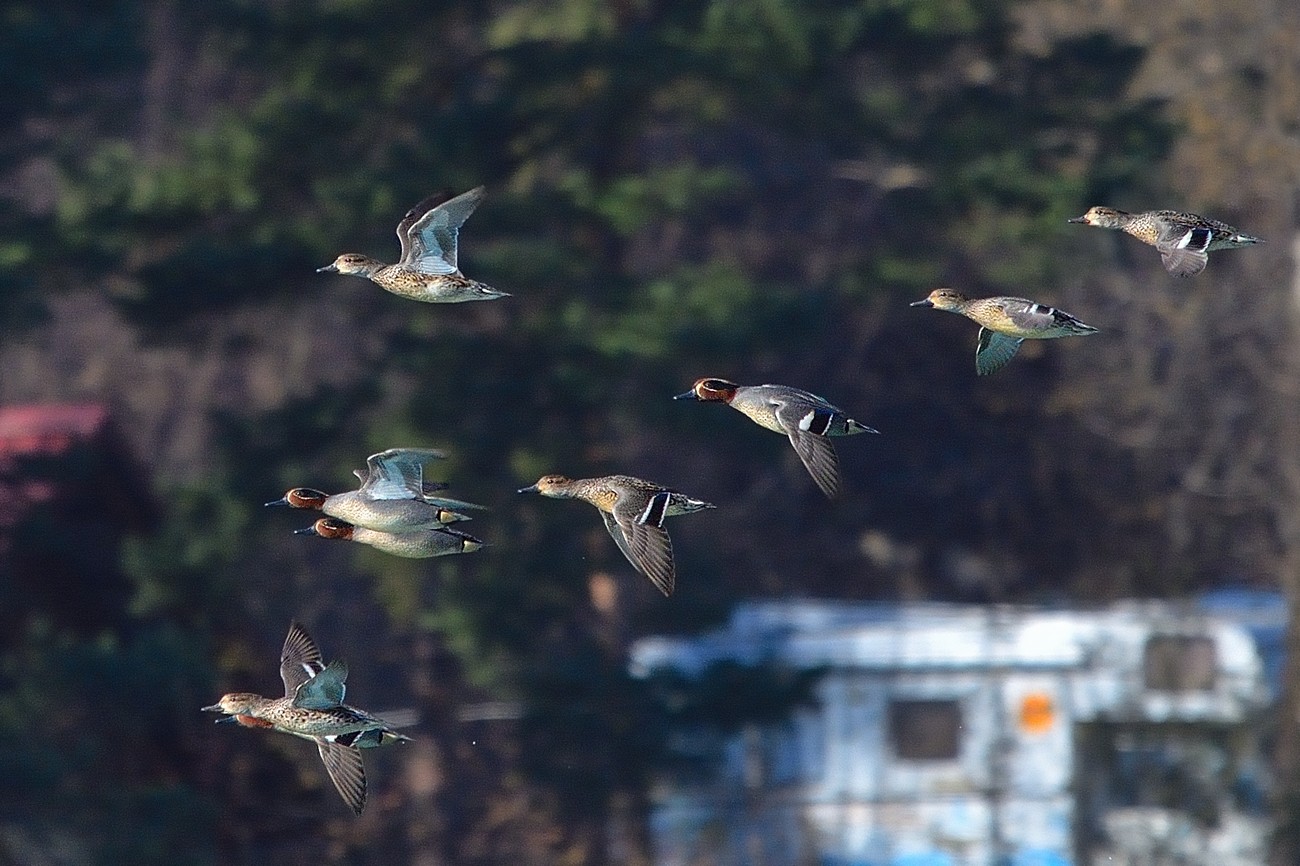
<point>925,730</point>
<point>1179,663</point>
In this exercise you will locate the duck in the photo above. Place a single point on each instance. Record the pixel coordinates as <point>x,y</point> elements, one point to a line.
<point>427,270</point>
<point>312,708</point>
<point>808,420</point>
<point>634,511</point>
<point>1184,240</point>
<point>412,544</point>
<point>393,496</point>
<point>1005,323</point>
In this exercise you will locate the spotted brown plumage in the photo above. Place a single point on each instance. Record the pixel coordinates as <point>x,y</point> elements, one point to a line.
<point>633,511</point>
<point>428,269</point>
<point>1184,240</point>
<point>1005,323</point>
<point>313,709</point>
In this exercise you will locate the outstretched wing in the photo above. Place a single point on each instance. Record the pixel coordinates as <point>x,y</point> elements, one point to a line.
<point>432,237</point>
<point>1184,262</point>
<point>806,426</point>
<point>346,771</point>
<point>616,532</point>
<point>428,487</point>
<point>426,204</point>
<point>643,539</point>
<point>994,350</point>
<point>300,659</point>
<point>1184,250</point>
<point>326,690</point>
<point>398,473</point>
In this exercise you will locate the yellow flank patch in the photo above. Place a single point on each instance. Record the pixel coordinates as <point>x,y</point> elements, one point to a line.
<point>604,499</point>
<point>1145,232</point>
<point>993,317</point>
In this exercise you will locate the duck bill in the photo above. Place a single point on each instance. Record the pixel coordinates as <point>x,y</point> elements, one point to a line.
<point>328,269</point>
<point>215,708</point>
<point>308,530</point>
<point>924,302</point>
<point>689,395</point>
<point>531,488</point>
<point>283,500</point>
<point>1079,219</point>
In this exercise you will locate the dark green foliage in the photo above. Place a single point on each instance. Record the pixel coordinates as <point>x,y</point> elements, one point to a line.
<point>95,737</point>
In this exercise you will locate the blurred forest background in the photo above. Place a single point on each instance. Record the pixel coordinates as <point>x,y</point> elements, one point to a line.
<point>752,189</point>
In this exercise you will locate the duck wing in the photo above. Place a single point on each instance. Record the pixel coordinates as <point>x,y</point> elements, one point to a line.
<point>398,473</point>
<point>806,424</point>
<point>426,204</point>
<point>1183,262</point>
<point>432,238</point>
<point>300,659</point>
<point>454,504</point>
<point>346,771</point>
<point>1029,315</point>
<point>326,690</point>
<point>428,488</point>
<point>1184,248</point>
<point>994,350</point>
<point>644,542</point>
<point>616,532</point>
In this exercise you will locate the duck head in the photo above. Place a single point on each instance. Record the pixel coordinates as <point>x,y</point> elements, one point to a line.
<point>328,527</point>
<point>710,391</point>
<point>555,486</point>
<point>1106,217</point>
<point>235,704</point>
<point>302,497</point>
<point>941,299</point>
<point>352,263</point>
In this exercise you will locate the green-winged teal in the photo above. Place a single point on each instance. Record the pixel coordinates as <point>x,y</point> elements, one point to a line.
<point>1184,240</point>
<point>411,544</point>
<point>393,496</point>
<point>312,708</point>
<point>808,421</point>
<point>427,270</point>
<point>634,512</point>
<point>1005,324</point>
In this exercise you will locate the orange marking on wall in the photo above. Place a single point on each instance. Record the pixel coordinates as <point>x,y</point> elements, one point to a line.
<point>1037,713</point>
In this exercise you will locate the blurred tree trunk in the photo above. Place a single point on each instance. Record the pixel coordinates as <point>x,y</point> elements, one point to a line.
<point>1285,849</point>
